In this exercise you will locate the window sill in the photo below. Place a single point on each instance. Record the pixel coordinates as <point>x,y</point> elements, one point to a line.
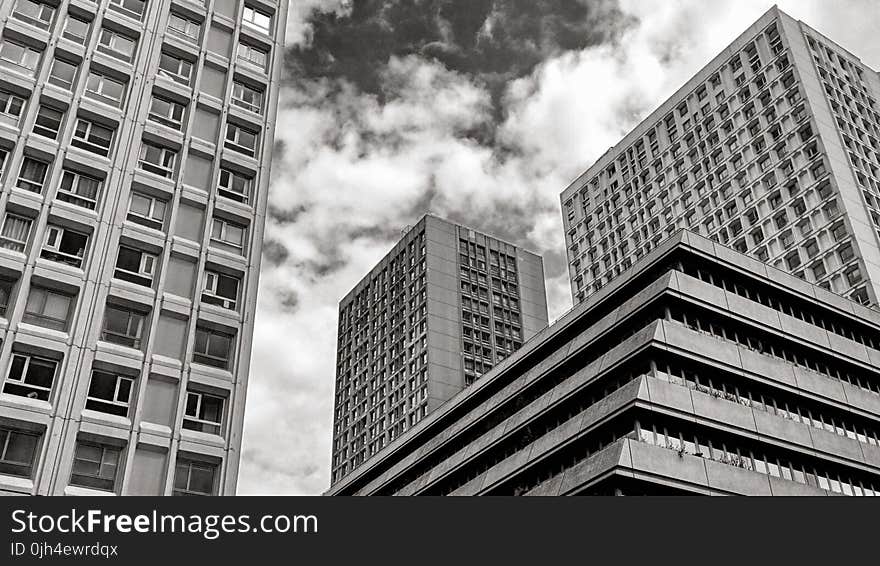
<point>26,403</point>
<point>87,492</point>
<point>202,437</point>
<point>15,484</point>
<point>105,418</point>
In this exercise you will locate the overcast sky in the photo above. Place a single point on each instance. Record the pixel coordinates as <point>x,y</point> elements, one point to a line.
<point>480,111</point>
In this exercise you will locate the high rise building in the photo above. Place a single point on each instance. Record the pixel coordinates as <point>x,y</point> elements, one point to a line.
<point>699,370</point>
<point>444,306</point>
<point>773,149</point>
<point>135,143</point>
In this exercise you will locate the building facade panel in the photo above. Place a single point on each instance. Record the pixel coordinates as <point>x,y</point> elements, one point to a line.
<point>135,145</point>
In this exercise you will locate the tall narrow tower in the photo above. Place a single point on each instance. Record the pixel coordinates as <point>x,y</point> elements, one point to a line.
<point>443,307</point>
<point>135,143</point>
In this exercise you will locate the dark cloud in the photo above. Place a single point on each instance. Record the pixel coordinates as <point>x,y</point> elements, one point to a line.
<point>494,41</point>
<point>275,252</point>
<point>289,300</point>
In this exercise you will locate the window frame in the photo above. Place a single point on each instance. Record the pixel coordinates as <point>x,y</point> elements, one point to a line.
<point>35,20</point>
<point>22,382</point>
<point>97,92</point>
<point>29,59</point>
<point>44,130</point>
<point>96,481</point>
<point>73,196</point>
<point>245,52</point>
<point>234,143</point>
<point>156,169</point>
<point>223,229</point>
<point>7,239</point>
<point>111,48</point>
<point>198,422</point>
<point>52,252</point>
<point>188,23</point>
<point>226,190</point>
<point>167,120</point>
<point>209,290</point>
<point>251,23</point>
<point>10,467</point>
<point>208,359</point>
<point>146,268</point>
<point>151,221</point>
<point>129,340</point>
<point>189,464</point>
<point>67,34</point>
<point>9,100</point>
<point>31,182</point>
<point>175,76</point>
<point>119,406</point>
<point>42,319</point>
<point>242,102</point>
<point>60,81</point>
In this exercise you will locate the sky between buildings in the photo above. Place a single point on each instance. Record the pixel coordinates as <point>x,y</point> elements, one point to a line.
<point>480,111</point>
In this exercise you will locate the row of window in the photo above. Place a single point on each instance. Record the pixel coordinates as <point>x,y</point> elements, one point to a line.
<point>68,246</point>
<point>98,465</point>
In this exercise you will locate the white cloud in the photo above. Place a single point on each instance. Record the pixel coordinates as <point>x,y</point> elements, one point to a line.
<point>352,165</point>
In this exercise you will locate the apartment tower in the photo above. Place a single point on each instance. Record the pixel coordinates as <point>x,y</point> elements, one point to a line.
<point>443,307</point>
<point>697,371</point>
<point>135,143</point>
<point>772,149</point>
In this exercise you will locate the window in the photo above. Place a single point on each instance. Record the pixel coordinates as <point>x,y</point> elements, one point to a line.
<point>95,466</point>
<point>184,27</point>
<point>5,292</point>
<point>32,175</point>
<point>123,326</point>
<point>64,246</point>
<point>135,266</point>
<point>3,155</point>
<point>76,30</point>
<point>109,393</point>
<point>157,159</point>
<point>49,308</point>
<point>18,449</point>
<point>105,89</point>
<point>234,186</point>
<point>131,8</point>
<point>62,74</point>
<point>30,376</point>
<point>204,412</point>
<point>146,211</point>
<point>212,347</point>
<point>241,139</point>
<point>79,189</point>
<point>253,55</point>
<point>177,69</point>
<point>247,97</point>
<point>92,137</point>
<point>166,112</point>
<point>48,122</point>
<point>34,13</point>
<point>219,289</point>
<point>19,55</point>
<point>194,478</point>
<point>256,19</point>
<point>228,233</point>
<point>16,230</point>
<point>116,45</point>
<point>10,106</point>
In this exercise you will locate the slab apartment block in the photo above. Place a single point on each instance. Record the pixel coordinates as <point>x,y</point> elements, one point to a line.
<point>773,149</point>
<point>135,141</point>
<point>698,370</point>
<point>445,306</point>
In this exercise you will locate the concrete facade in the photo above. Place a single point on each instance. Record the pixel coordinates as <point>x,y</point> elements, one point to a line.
<point>773,149</point>
<point>135,144</point>
<point>699,370</point>
<point>442,308</point>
